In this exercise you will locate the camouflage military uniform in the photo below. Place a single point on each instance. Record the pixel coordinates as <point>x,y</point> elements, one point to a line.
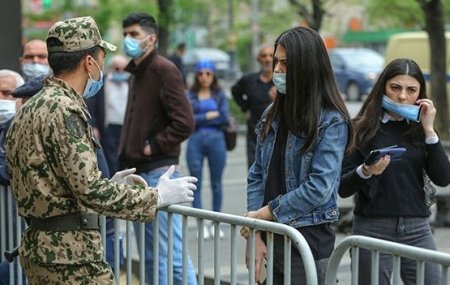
<point>51,156</point>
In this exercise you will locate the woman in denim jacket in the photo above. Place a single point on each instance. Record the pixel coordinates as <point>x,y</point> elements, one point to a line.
<point>211,112</point>
<point>301,140</point>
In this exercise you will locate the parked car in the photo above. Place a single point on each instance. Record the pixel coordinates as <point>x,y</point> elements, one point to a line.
<point>220,58</point>
<point>356,70</point>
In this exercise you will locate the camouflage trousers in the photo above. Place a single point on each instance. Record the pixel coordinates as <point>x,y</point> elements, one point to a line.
<point>62,274</point>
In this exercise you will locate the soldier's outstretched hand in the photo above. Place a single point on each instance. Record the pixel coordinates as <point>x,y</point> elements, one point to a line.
<point>128,178</point>
<point>175,191</point>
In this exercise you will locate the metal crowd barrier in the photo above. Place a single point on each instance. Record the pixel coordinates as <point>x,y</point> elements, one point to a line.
<point>235,222</point>
<point>377,246</point>
<point>12,226</point>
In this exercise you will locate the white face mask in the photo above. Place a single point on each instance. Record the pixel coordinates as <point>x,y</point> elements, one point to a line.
<point>279,79</point>
<point>7,110</point>
<point>32,70</point>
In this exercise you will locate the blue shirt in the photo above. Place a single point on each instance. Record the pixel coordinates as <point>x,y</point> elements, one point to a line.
<point>200,107</point>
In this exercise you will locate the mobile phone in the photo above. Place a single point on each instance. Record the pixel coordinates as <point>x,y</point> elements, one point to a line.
<point>394,152</point>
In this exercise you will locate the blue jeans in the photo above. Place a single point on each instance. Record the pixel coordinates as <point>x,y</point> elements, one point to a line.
<point>404,230</point>
<point>152,179</point>
<point>209,143</point>
<point>110,143</point>
<point>109,251</point>
<point>4,272</point>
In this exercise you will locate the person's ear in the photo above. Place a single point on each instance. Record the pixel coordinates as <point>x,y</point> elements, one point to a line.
<point>88,63</point>
<point>152,39</point>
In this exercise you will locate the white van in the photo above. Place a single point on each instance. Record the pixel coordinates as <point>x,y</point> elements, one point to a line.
<point>414,45</point>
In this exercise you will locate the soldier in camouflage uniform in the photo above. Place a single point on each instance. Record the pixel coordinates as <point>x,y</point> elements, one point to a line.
<point>51,156</point>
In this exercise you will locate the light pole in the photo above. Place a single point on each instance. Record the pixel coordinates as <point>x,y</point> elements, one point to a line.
<point>255,33</point>
<point>231,41</point>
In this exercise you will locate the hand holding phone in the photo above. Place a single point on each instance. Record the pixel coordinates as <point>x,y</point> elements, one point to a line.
<point>393,151</point>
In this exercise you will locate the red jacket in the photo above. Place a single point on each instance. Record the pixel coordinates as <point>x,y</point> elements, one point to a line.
<point>158,112</point>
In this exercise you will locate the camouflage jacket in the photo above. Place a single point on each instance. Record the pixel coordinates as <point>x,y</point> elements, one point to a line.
<point>52,161</point>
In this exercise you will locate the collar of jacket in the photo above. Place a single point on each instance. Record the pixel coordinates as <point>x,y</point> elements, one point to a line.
<point>51,81</point>
<point>136,69</point>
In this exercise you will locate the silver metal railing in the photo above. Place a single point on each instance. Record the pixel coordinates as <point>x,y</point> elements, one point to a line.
<point>377,246</point>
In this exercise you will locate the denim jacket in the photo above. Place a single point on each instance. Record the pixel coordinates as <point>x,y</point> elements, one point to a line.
<point>312,178</point>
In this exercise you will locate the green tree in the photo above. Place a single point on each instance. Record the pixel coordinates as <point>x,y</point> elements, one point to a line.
<point>434,25</point>
<point>396,13</point>
<point>313,16</point>
<point>165,17</point>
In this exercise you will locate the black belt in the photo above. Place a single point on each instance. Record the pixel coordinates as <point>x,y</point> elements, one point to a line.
<point>65,223</point>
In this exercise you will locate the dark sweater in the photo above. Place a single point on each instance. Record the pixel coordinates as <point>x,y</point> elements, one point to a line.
<point>250,93</point>
<point>398,191</point>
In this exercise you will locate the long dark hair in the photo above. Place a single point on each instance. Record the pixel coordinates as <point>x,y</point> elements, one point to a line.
<point>310,86</point>
<point>367,122</point>
<point>215,86</point>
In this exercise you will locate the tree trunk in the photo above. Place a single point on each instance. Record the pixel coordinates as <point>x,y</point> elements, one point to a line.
<point>313,18</point>
<point>318,13</point>
<point>165,20</point>
<point>434,25</point>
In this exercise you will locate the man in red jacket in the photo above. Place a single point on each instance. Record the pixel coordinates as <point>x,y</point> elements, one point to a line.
<point>158,119</point>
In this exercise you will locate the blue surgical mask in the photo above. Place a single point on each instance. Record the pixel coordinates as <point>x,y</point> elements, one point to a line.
<point>120,76</point>
<point>279,79</point>
<point>32,70</point>
<point>93,86</point>
<point>407,111</point>
<point>132,47</point>
<point>7,110</point>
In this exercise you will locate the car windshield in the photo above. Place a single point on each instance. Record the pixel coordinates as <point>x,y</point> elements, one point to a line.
<point>357,59</point>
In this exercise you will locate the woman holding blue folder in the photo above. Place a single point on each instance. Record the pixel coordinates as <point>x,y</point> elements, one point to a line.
<point>391,194</point>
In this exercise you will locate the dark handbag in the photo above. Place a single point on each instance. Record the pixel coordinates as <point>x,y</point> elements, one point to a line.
<point>230,133</point>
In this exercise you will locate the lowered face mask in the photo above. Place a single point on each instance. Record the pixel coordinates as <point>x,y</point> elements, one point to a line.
<point>279,79</point>
<point>7,110</point>
<point>32,70</point>
<point>93,86</point>
<point>407,111</point>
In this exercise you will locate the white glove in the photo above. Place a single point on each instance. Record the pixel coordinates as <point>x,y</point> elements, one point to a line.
<point>128,178</point>
<point>175,191</point>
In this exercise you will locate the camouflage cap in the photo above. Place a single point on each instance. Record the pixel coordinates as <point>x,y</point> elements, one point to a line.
<point>77,34</point>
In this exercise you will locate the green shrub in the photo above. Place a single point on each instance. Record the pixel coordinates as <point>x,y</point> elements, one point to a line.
<point>236,112</point>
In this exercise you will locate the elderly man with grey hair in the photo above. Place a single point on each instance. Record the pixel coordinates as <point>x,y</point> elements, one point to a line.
<point>9,81</point>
